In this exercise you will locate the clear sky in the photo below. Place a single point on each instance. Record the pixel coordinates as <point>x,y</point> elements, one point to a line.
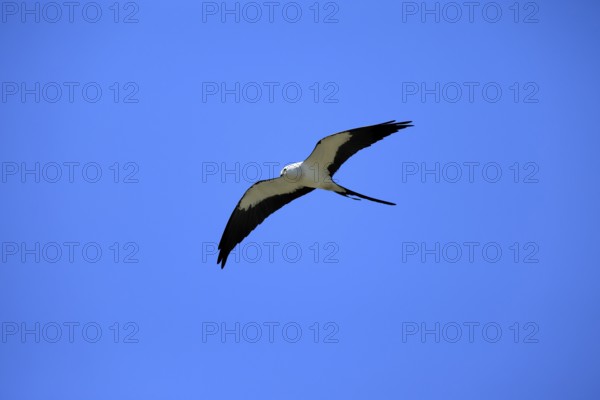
<point>129,131</point>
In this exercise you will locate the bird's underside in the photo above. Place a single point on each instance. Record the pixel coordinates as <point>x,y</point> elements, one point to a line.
<point>316,172</point>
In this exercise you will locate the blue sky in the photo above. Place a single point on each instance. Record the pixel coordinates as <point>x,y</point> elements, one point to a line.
<point>130,130</point>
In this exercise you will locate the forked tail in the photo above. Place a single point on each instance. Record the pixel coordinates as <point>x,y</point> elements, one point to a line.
<point>348,193</point>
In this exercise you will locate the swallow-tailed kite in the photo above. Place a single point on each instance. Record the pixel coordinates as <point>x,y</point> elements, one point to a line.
<point>265,197</point>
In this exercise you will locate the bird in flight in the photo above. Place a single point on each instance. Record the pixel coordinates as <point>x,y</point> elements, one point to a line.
<point>295,180</point>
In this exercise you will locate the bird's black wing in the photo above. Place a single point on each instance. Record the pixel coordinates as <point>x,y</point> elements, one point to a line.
<point>332,151</point>
<point>260,200</point>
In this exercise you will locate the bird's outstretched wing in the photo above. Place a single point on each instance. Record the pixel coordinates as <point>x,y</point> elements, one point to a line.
<point>260,200</point>
<point>332,151</point>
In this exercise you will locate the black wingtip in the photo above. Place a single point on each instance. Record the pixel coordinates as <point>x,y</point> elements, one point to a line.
<point>221,260</point>
<point>396,125</point>
<point>403,124</point>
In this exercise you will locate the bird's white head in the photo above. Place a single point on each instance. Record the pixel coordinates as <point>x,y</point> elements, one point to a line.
<point>292,170</point>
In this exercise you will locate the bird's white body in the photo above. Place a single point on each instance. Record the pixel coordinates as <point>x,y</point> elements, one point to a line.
<point>309,174</point>
<point>296,175</point>
<point>313,172</point>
